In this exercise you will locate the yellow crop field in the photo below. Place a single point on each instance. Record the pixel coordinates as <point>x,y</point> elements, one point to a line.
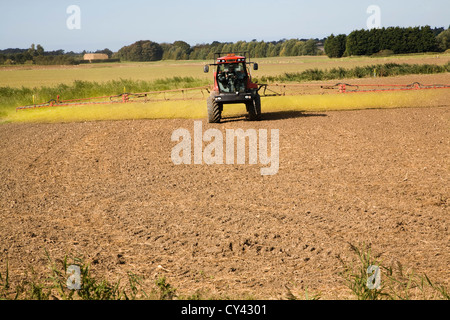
<point>196,109</point>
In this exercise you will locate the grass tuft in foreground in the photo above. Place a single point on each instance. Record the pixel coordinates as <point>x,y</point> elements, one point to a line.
<point>55,286</point>
<point>394,282</point>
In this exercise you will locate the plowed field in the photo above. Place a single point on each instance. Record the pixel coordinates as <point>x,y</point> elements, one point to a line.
<point>109,192</point>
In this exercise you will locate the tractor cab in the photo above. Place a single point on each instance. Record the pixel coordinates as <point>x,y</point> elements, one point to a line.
<point>232,85</point>
<point>232,76</point>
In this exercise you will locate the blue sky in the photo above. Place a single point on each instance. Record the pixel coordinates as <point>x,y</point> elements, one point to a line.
<point>113,24</point>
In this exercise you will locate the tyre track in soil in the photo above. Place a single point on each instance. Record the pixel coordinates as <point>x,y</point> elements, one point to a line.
<point>109,192</point>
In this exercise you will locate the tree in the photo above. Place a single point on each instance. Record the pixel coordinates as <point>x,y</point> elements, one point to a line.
<point>273,50</point>
<point>335,46</point>
<point>141,51</point>
<point>298,48</point>
<point>443,40</point>
<point>287,48</point>
<point>356,43</point>
<point>427,41</point>
<point>261,50</point>
<point>239,46</point>
<point>105,51</point>
<point>184,46</point>
<point>32,50</point>
<point>398,40</point>
<point>310,48</point>
<point>40,50</point>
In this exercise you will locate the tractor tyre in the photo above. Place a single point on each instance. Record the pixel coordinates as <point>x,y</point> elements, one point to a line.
<point>214,110</point>
<point>254,109</point>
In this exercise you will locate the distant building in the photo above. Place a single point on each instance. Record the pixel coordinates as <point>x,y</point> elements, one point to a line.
<point>95,56</point>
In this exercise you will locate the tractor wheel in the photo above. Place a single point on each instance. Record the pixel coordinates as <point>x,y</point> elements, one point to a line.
<point>214,111</point>
<point>254,109</point>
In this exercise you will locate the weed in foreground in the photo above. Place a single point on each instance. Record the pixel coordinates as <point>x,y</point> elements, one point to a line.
<point>360,277</point>
<point>307,295</point>
<point>166,291</point>
<point>356,277</point>
<point>393,282</point>
<point>56,285</point>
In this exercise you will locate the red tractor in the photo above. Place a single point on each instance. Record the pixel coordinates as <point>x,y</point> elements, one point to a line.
<point>233,84</point>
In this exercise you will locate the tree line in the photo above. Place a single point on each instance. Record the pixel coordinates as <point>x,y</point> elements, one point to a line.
<point>384,41</point>
<point>394,40</point>
<point>146,50</point>
<point>180,50</point>
<point>360,42</point>
<point>36,54</point>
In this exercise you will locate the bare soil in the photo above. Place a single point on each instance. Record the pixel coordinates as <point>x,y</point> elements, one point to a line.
<point>109,192</point>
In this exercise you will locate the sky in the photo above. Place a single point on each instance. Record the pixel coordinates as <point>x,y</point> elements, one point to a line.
<point>113,24</point>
